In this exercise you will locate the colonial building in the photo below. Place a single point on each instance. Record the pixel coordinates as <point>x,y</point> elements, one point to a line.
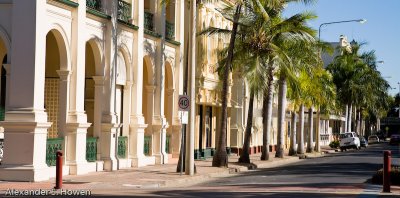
<point>96,79</point>
<point>100,79</point>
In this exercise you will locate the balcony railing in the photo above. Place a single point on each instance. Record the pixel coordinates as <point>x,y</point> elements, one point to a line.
<point>147,144</point>
<point>91,149</point>
<point>94,4</point>
<point>122,146</point>
<point>124,11</point>
<point>169,30</point>
<point>52,146</point>
<point>2,113</point>
<point>167,144</point>
<point>148,21</point>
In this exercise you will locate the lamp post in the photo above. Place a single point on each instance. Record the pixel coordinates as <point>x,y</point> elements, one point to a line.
<point>319,38</point>
<point>334,22</point>
<point>399,95</point>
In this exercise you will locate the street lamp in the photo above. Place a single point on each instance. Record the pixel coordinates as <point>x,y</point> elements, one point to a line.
<point>334,22</point>
<point>399,95</point>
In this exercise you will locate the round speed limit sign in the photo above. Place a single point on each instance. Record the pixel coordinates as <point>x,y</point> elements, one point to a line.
<point>184,103</point>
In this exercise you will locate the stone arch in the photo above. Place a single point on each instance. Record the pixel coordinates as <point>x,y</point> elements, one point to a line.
<point>6,42</point>
<point>148,66</point>
<point>123,88</point>
<point>124,51</point>
<point>63,43</point>
<point>169,102</point>
<point>95,44</point>
<point>57,65</point>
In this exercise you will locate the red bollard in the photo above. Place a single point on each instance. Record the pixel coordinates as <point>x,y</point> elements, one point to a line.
<point>386,170</point>
<point>58,170</point>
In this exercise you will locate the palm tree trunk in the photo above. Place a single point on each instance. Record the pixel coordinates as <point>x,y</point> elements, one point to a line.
<point>292,149</point>
<point>220,158</point>
<point>267,115</point>
<point>317,147</point>
<point>311,130</point>
<point>349,119</point>
<point>346,122</point>
<point>281,115</point>
<point>300,147</point>
<point>244,157</point>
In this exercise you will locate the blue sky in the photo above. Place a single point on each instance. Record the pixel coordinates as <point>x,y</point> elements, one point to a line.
<point>381,32</point>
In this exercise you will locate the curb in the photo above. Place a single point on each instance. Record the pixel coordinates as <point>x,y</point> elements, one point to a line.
<point>189,180</point>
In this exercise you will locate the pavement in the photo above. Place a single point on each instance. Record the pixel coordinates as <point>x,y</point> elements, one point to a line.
<point>159,176</point>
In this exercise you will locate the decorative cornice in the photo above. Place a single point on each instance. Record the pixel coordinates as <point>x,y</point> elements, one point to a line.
<point>151,33</point>
<point>69,3</point>
<point>128,25</point>
<point>173,42</point>
<point>98,13</point>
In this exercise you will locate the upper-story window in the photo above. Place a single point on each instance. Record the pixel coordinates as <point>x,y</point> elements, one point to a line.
<point>170,21</point>
<point>95,5</point>
<point>124,11</point>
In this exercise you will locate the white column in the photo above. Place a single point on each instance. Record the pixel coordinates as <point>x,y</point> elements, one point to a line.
<point>63,100</point>
<point>137,124</point>
<point>25,122</point>
<point>76,127</point>
<point>160,123</point>
<point>109,123</point>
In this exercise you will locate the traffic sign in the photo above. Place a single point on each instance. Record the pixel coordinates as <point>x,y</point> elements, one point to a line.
<point>184,103</point>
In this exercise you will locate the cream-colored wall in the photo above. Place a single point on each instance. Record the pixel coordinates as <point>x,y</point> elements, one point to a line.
<point>52,56</point>
<point>3,50</point>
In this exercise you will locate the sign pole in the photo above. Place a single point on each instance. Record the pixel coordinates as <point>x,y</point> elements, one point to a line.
<point>182,144</point>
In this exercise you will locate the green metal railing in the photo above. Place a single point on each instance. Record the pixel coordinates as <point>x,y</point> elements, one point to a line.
<point>169,30</point>
<point>124,11</point>
<point>147,144</point>
<point>2,113</point>
<point>167,144</point>
<point>52,146</point>
<point>148,21</point>
<point>91,149</point>
<point>122,146</point>
<point>94,4</point>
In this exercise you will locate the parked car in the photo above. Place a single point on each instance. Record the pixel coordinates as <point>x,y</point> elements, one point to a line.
<point>394,139</point>
<point>363,142</point>
<point>349,140</point>
<point>373,139</point>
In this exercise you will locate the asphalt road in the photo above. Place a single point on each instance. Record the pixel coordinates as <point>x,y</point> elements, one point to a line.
<point>342,174</point>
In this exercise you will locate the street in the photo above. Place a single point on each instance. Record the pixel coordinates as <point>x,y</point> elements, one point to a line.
<point>340,174</point>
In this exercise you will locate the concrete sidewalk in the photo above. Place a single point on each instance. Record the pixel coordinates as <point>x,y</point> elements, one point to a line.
<point>157,176</point>
<point>154,176</point>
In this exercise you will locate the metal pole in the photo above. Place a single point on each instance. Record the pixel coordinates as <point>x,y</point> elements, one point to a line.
<point>399,95</point>
<point>58,170</point>
<point>386,170</point>
<point>182,143</point>
<point>189,168</point>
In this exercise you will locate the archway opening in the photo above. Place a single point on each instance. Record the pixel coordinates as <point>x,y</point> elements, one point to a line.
<point>168,103</point>
<point>3,60</point>
<point>90,66</point>
<point>121,82</point>
<point>52,83</point>
<point>147,103</point>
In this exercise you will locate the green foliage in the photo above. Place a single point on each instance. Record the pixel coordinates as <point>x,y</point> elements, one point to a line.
<point>334,144</point>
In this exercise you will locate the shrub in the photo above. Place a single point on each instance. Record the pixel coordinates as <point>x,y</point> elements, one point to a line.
<point>334,144</point>
<point>394,176</point>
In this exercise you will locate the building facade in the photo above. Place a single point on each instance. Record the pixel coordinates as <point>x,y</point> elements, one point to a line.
<point>100,80</point>
<point>95,79</point>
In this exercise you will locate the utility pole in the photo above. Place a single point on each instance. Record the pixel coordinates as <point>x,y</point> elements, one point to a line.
<point>189,167</point>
